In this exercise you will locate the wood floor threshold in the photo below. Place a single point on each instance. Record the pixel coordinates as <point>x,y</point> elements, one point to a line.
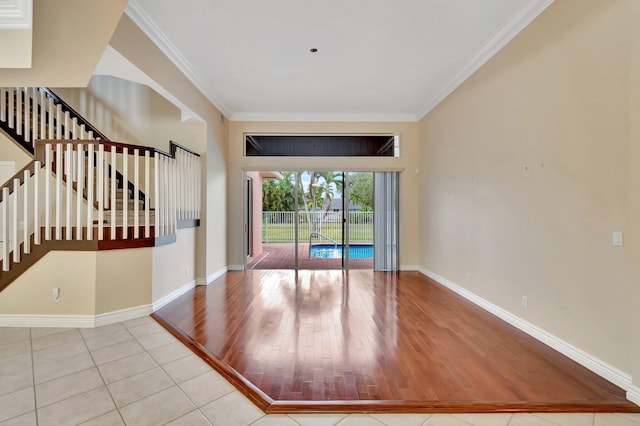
<point>270,406</point>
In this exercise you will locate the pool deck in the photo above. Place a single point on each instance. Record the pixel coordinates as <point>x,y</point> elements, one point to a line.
<point>282,256</point>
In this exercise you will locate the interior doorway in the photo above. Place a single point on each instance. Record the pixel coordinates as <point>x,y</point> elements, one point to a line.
<point>311,220</point>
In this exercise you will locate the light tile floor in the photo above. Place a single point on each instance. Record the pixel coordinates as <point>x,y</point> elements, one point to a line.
<point>136,373</point>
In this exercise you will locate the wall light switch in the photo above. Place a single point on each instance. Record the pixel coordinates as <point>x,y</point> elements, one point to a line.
<point>617,238</point>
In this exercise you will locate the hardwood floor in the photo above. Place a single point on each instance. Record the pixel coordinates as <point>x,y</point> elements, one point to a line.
<point>364,341</point>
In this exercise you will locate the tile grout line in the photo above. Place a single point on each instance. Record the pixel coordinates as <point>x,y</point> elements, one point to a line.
<point>102,378</point>
<point>33,376</point>
<point>158,366</point>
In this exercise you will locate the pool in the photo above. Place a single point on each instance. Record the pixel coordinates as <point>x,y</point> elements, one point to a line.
<point>332,251</point>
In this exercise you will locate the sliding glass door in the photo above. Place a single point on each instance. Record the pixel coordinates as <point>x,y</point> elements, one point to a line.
<point>321,220</point>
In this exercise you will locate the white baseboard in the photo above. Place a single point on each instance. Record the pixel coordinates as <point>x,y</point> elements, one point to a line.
<point>212,277</point>
<point>173,295</point>
<point>235,267</point>
<point>633,394</point>
<point>74,321</point>
<point>409,268</point>
<point>601,368</point>
<point>122,315</point>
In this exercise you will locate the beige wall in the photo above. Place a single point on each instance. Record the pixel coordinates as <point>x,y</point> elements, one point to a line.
<point>11,151</point>
<point>16,47</point>
<point>73,272</point>
<point>408,161</point>
<point>174,264</point>
<point>211,237</point>
<point>123,279</point>
<point>69,37</point>
<point>527,173</point>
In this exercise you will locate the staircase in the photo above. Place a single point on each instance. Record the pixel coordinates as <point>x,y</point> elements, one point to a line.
<point>83,191</point>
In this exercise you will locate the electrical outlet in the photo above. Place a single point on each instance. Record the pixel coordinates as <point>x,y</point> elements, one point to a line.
<point>186,272</point>
<point>467,277</point>
<point>617,238</point>
<point>524,301</point>
<point>56,294</point>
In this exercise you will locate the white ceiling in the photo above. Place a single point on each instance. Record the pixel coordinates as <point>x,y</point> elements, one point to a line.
<point>377,60</point>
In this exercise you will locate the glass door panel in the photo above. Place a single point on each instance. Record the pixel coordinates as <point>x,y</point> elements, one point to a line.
<point>309,220</point>
<point>320,220</point>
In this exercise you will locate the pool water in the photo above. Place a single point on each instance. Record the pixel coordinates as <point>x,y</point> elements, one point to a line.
<point>331,251</point>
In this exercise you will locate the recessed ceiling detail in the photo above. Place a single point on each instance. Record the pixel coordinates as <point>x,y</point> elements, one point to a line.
<point>380,61</point>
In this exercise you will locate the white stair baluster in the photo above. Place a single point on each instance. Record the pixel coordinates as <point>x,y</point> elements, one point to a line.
<point>27,115</point>
<point>4,208</point>
<point>58,121</point>
<point>25,212</point>
<point>43,116</point>
<point>160,188</point>
<point>67,125</point>
<point>47,192</point>
<point>100,192</point>
<point>125,193</point>
<point>91,172</point>
<point>36,202</point>
<point>136,206</point>
<point>75,129</point>
<point>34,115</point>
<point>113,199</point>
<point>79,191</point>
<point>10,112</point>
<point>58,203</point>
<point>3,104</point>
<point>51,110</point>
<point>15,246</point>
<point>147,229</point>
<point>68,166</point>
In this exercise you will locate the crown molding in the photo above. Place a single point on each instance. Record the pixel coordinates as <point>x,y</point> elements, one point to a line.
<point>151,29</point>
<point>519,21</point>
<point>16,14</point>
<point>331,117</point>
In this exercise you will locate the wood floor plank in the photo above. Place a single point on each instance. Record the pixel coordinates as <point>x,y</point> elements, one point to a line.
<point>367,341</point>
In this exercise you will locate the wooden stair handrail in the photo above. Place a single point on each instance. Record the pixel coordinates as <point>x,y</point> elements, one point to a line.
<point>74,113</point>
<point>19,175</point>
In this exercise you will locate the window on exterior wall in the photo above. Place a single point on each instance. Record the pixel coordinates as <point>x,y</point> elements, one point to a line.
<point>322,145</point>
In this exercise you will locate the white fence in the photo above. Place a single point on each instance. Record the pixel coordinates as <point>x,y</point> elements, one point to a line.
<point>278,227</point>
